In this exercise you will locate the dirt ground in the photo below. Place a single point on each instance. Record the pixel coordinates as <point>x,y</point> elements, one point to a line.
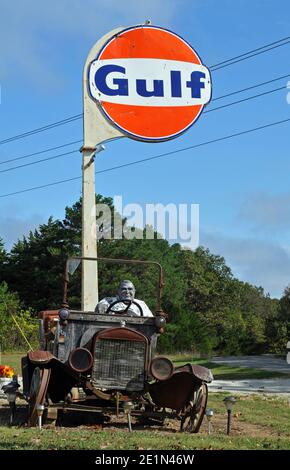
<point>73,419</point>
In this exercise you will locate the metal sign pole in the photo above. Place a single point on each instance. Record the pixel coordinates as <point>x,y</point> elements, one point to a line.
<point>96,130</point>
<point>89,240</point>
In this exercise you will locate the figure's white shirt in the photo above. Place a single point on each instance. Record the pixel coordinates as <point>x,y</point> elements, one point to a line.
<point>133,309</point>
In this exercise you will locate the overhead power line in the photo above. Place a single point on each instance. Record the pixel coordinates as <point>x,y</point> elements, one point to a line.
<point>144,160</point>
<point>67,120</point>
<point>250,87</point>
<point>246,55</point>
<point>207,111</point>
<point>244,99</point>
<point>40,152</point>
<point>39,161</point>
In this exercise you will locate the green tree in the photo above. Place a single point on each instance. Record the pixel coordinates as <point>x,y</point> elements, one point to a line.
<point>208,309</point>
<point>3,259</point>
<point>279,328</point>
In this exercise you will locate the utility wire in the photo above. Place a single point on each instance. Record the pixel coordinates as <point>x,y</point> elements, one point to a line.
<point>43,128</point>
<point>248,57</point>
<point>40,152</point>
<point>251,87</point>
<point>227,137</point>
<point>244,99</point>
<point>38,161</point>
<point>217,66</point>
<point>253,50</point>
<point>207,111</point>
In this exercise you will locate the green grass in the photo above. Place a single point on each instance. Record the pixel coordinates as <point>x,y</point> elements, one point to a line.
<point>269,412</point>
<point>62,439</point>
<point>13,360</point>
<point>226,372</point>
<point>267,420</point>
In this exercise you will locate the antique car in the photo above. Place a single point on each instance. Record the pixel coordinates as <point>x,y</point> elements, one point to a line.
<point>107,364</point>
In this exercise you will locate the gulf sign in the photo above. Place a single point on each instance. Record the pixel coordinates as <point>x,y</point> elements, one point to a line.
<point>149,83</point>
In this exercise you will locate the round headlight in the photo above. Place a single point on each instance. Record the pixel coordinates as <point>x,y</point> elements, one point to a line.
<point>161,368</point>
<point>160,321</point>
<point>64,314</point>
<point>80,360</point>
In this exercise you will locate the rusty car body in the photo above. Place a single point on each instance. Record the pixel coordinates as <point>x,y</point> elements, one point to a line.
<point>107,364</point>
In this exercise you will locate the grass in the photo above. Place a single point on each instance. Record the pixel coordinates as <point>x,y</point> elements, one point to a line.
<point>258,423</point>
<point>270,413</point>
<point>13,360</point>
<point>64,439</point>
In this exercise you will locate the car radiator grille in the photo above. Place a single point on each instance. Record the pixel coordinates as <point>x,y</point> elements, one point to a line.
<point>119,364</point>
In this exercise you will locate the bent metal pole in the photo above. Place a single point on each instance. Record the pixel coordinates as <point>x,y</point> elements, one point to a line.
<point>96,130</point>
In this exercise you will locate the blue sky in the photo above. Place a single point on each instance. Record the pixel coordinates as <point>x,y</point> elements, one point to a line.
<point>242,185</point>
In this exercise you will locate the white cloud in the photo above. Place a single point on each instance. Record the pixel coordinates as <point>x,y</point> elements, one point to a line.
<point>259,262</point>
<point>267,212</point>
<point>13,227</point>
<point>34,34</point>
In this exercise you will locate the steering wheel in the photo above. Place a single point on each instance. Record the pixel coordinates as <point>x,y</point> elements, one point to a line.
<point>125,310</point>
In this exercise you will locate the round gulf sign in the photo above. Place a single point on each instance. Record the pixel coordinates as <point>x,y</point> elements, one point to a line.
<point>150,83</point>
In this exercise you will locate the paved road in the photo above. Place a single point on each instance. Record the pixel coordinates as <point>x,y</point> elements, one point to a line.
<point>264,386</point>
<point>265,362</point>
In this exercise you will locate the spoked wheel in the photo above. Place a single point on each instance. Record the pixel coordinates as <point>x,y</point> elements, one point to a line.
<point>194,412</point>
<point>37,392</point>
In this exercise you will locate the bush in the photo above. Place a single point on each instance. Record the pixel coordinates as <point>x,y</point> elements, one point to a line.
<point>15,323</point>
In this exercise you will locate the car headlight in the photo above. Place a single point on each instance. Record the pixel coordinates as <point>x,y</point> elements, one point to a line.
<point>161,368</point>
<point>80,360</point>
<point>160,321</point>
<point>63,314</point>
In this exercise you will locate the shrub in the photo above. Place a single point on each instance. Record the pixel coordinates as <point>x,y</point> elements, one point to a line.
<point>12,320</point>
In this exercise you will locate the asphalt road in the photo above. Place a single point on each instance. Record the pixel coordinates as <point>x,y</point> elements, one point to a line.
<point>265,362</point>
<point>265,386</point>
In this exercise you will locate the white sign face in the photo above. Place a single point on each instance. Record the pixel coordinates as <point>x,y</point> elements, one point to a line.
<point>149,82</point>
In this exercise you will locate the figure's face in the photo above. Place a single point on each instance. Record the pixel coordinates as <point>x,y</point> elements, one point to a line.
<point>126,291</point>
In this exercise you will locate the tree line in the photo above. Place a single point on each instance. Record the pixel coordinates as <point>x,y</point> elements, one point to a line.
<point>209,310</point>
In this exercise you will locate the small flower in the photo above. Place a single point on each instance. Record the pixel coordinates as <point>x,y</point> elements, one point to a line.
<point>6,371</point>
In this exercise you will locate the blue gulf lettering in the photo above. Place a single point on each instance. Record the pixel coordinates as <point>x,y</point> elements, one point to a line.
<point>195,84</point>
<point>175,84</point>
<point>101,83</point>
<point>158,89</point>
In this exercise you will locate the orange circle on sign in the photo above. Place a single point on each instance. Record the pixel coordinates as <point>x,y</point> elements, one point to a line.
<point>150,123</point>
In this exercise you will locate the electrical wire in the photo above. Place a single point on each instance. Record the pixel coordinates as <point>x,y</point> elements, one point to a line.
<point>106,170</point>
<point>244,99</point>
<point>225,63</point>
<point>214,99</point>
<point>207,111</point>
<point>250,87</point>
<point>42,129</point>
<point>248,55</point>
<point>40,152</point>
<point>38,161</point>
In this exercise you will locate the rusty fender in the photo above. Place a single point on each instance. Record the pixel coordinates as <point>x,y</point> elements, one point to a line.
<point>176,392</point>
